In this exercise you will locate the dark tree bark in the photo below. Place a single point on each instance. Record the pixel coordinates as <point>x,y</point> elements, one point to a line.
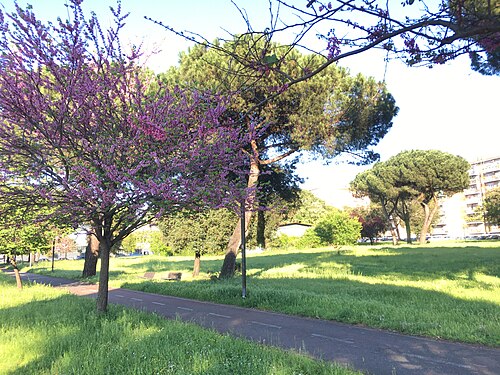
<point>197,263</point>
<point>102,293</point>
<point>104,234</point>
<point>91,257</point>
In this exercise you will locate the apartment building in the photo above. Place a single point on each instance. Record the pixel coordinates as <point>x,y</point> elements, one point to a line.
<point>459,215</point>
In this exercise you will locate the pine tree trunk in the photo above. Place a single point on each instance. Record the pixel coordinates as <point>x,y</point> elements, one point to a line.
<point>428,216</point>
<point>91,257</point>
<point>390,219</point>
<point>102,292</point>
<point>197,263</point>
<point>228,267</point>
<point>408,231</point>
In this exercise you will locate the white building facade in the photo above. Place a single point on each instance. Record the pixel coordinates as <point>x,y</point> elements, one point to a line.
<point>460,215</point>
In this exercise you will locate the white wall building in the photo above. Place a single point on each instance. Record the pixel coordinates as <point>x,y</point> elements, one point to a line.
<point>459,216</point>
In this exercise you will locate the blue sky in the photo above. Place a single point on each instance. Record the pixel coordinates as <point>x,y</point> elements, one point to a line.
<point>449,107</point>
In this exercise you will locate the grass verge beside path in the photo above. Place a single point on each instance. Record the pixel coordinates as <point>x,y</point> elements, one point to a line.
<point>47,331</point>
<point>449,291</point>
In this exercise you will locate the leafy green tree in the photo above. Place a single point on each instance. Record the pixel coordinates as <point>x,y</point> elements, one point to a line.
<point>309,209</point>
<point>155,239</point>
<point>331,114</point>
<point>198,232</point>
<point>426,175</point>
<point>338,229</point>
<point>20,234</point>
<point>158,244</point>
<point>492,206</point>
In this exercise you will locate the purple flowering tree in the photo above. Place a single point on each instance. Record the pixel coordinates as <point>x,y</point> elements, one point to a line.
<point>85,130</point>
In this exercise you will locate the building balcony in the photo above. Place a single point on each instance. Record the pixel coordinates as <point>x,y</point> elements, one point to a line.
<point>489,178</point>
<point>475,223</point>
<point>468,192</point>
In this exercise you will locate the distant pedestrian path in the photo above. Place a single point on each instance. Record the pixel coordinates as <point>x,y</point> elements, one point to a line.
<point>370,350</point>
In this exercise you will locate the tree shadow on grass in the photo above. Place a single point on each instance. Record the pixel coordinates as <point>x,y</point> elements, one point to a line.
<point>64,335</point>
<point>428,263</point>
<point>401,263</point>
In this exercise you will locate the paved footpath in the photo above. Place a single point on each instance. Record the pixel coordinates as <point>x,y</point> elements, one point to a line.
<point>370,350</point>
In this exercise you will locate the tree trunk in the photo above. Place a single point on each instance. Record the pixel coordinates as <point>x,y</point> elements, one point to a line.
<point>102,292</point>
<point>404,214</point>
<point>408,231</point>
<point>261,229</point>
<point>91,257</point>
<point>229,264</point>
<point>428,216</point>
<point>197,263</point>
<point>394,228</point>
<point>16,272</point>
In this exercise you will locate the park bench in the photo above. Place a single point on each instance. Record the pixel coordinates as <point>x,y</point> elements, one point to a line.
<point>170,276</point>
<point>173,276</point>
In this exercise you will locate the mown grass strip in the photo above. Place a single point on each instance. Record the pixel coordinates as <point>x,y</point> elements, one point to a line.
<point>47,331</point>
<point>450,291</point>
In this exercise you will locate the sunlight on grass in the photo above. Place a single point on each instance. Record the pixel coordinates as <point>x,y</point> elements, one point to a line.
<point>47,331</point>
<point>448,290</point>
<point>288,271</point>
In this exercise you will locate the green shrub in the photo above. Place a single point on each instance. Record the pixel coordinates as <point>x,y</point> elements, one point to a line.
<point>338,228</point>
<point>307,241</point>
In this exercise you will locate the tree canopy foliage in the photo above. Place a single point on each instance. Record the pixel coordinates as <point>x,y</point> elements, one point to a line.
<point>204,232</point>
<point>329,115</point>
<point>492,206</point>
<point>309,210</point>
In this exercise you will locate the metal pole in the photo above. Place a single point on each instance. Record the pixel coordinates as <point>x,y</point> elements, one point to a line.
<point>53,252</point>
<point>243,253</point>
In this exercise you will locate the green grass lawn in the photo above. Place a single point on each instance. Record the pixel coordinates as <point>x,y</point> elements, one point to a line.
<point>448,290</point>
<point>48,331</point>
